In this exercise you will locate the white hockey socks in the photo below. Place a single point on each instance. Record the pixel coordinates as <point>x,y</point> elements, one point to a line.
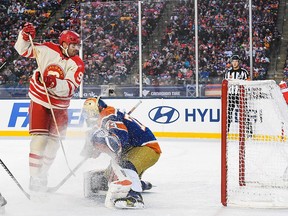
<point>37,147</point>
<point>49,154</point>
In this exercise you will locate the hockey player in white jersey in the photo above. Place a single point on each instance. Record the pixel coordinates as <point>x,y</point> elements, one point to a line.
<point>59,73</point>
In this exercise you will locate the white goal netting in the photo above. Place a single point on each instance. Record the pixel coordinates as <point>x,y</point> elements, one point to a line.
<point>254,144</point>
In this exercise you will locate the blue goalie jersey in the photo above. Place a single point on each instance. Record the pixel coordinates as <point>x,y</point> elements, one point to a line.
<point>129,130</point>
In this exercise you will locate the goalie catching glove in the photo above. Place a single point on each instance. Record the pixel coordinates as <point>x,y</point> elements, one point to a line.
<point>101,141</point>
<point>103,137</point>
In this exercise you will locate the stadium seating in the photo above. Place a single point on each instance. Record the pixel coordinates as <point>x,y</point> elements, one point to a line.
<point>110,39</point>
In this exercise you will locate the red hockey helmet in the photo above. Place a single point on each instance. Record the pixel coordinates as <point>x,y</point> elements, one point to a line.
<point>68,37</point>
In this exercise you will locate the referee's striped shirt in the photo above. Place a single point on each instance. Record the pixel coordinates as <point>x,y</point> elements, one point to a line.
<point>240,74</point>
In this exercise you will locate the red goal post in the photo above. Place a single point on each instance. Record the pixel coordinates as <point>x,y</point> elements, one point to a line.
<point>254,146</point>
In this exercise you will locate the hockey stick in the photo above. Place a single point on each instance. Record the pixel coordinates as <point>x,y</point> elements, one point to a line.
<point>54,189</point>
<point>49,101</point>
<point>3,65</point>
<point>14,179</point>
<point>133,108</point>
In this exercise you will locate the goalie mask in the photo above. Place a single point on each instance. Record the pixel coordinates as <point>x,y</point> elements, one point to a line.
<point>92,107</point>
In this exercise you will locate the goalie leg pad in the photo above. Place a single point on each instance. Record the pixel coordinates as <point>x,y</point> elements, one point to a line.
<point>95,183</point>
<point>136,183</point>
<point>117,189</point>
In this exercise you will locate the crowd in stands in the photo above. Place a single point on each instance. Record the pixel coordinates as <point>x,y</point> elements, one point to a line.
<point>223,31</point>
<point>286,67</point>
<point>110,38</point>
<point>13,15</point>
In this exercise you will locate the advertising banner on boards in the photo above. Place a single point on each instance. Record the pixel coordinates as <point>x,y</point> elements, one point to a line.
<point>199,118</point>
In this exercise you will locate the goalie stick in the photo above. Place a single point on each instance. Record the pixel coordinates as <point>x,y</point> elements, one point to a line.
<point>133,108</point>
<point>14,179</point>
<point>55,188</point>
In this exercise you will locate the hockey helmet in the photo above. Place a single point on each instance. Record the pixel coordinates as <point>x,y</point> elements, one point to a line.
<point>92,107</point>
<point>69,37</point>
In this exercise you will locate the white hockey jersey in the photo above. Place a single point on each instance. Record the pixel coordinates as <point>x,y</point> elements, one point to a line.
<point>51,61</point>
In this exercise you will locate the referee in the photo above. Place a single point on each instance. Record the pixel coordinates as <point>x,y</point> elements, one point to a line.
<point>234,72</point>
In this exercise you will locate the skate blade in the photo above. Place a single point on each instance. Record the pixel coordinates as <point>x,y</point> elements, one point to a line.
<point>125,205</point>
<point>39,197</point>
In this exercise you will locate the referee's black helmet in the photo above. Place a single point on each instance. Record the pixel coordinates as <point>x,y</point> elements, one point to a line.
<point>235,57</point>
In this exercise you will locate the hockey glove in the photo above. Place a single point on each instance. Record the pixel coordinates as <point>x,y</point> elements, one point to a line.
<point>89,150</point>
<point>38,78</point>
<point>50,81</point>
<point>100,133</point>
<point>27,30</point>
<point>111,141</point>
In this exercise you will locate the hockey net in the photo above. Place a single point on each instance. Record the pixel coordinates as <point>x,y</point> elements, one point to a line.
<point>254,144</point>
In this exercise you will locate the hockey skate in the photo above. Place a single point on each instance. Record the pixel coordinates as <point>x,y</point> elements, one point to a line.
<point>146,185</point>
<point>133,200</point>
<point>38,184</point>
<point>3,202</point>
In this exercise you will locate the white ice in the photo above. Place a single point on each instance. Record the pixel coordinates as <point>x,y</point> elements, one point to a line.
<point>186,179</point>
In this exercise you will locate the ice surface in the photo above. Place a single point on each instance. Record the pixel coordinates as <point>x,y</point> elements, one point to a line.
<point>186,179</point>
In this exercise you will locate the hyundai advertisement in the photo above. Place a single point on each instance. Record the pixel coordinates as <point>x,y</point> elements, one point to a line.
<point>198,118</point>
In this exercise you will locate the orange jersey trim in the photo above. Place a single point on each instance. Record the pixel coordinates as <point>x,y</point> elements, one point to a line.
<point>155,146</point>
